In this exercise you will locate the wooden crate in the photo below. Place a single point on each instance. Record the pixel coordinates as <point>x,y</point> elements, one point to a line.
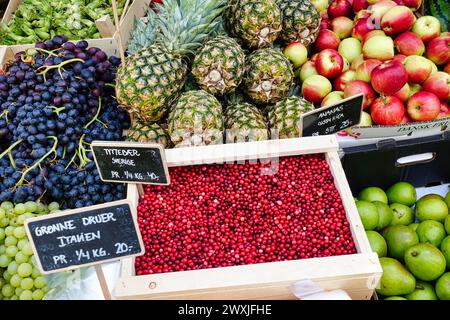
<point>358,274</point>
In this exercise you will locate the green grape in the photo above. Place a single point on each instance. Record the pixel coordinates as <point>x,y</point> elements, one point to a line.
<point>6,275</point>
<point>21,243</point>
<point>14,222</point>
<point>36,273</point>
<point>2,234</point>
<point>41,208</point>
<point>2,249</point>
<point>21,257</point>
<point>16,281</point>
<point>2,213</point>
<point>7,205</point>
<point>10,213</point>
<point>1,296</point>
<point>7,290</point>
<point>10,241</point>
<point>9,231</point>
<point>40,282</point>
<point>11,251</point>
<point>26,295</point>
<point>25,269</point>
<point>53,206</point>
<point>2,282</point>
<point>27,284</point>
<point>4,261</point>
<point>14,297</point>
<point>12,268</point>
<point>19,232</point>
<point>46,289</point>
<point>18,291</point>
<point>38,294</point>
<point>27,249</point>
<point>4,222</point>
<point>21,219</point>
<point>31,206</point>
<point>20,209</point>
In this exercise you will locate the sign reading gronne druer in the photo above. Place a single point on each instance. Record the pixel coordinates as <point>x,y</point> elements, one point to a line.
<point>86,236</point>
<point>131,162</point>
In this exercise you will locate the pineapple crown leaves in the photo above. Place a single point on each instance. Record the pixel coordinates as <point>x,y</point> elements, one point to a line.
<point>181,25</point>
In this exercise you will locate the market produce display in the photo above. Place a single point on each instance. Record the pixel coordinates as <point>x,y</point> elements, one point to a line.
<point>20,278</point>
<point>188,62</point>
<point>439,9</point>
<point>379,48</point>
<point>55,99</point>
<point>41,20</point>
<point>232,214</point>
<point>412,239</point>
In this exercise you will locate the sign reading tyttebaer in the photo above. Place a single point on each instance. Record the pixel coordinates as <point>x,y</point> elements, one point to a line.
<point>86,236</point>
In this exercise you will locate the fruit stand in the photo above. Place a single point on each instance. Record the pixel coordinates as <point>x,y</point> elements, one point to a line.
<point>269,180</point>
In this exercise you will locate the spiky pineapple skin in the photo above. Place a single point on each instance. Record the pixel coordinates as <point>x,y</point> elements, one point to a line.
<point>256,23</point>
<point>244,122</point>
<point>301,21</point>
<point>284,117</point>
<point>196,119</point>
<point>219,65</point>
<point>268,76</point>
<point>153,133</point>
<point>148,82</point>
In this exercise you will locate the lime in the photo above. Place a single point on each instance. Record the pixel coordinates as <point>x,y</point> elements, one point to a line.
<point>447,199</point>
<point>373,194</point>
<point>402,192</point>
<point>425,261</point>
<point>443,287</point>
<point>445,249</point>
<point>368,213</point>
<point>395,298</point>
<point>399,239</point>
<point>413,226</point>
<point>423,291</point>
<point>431,209</point>
<point>432,196</point>
<point>384,214</point>
<point>447,224</point>
<point>377,243</point>
<point>402,215</point>
<point>431,231</point>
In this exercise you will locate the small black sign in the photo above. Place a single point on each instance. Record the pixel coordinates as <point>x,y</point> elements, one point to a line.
<point>131,162</point>
<point>334,118</point>
<point>85,236</point>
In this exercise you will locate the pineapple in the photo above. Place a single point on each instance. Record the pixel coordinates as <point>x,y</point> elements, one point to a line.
<point>196,120</point>
<point>244,122</point>
<point>268,77</point>
<point>151,78</point>
<point>219,65</point>
<point>153,133</point>
<point>284,117</point>
<point>301,21</point>
<point>257,23</point>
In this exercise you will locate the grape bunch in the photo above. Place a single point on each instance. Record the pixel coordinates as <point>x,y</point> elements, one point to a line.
<point>55,99</point>
<point>20,278</point>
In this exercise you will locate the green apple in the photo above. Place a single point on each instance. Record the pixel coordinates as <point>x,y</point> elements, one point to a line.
<point>366,120</point>
<point>308,69</point>
<point>379,47</point>
<point>332,98</point>
<point>296,53</point>
<point>350,48</point>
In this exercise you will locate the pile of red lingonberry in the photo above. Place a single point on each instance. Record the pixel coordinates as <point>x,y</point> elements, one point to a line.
<point>231,214</point>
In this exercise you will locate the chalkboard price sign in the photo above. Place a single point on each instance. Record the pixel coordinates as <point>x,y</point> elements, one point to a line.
<point>83,237</point>
<point>131,162</point>
<point>331,119</point>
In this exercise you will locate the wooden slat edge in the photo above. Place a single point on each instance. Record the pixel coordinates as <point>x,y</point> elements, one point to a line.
<point>105,26</point>
<point>12,6</point>
<point>136,10</point>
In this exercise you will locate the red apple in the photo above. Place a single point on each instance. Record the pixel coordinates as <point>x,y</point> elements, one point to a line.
<point>362,14</point>
<point>399,57</point>
<point>356,87</point>
<point>423,106</point>
<point>373,33</point>
<point>325,24</point>
<point>378,10</point>
<point>324,14</point>
<point>346,66</point>
<point>340,8</point>
<point>388,77</point>
<point>438,49</point>
<point>409,43</point>
<point>342,26</point>
<point>418,68</point>
<point>340,82</point>
<point>427,28</point>
<point>296,53</point>
<point>387,110</point>
<point>379,47</point>
<point>329,63</point>
<point>327,39</point>
<point>364,70</point>
<point>406,119</point>
<point>412,4</point>
<point>314,57</point>
<point>359,5</point>
<point>308,69</point>
<point>445,111</point>
<point>398,19</point>
<point>332,98</point>
<point>403,93</point>
<point>361,28</point>
<point>439,84</point>
<point>447,68</point>
<point>315,88</point>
